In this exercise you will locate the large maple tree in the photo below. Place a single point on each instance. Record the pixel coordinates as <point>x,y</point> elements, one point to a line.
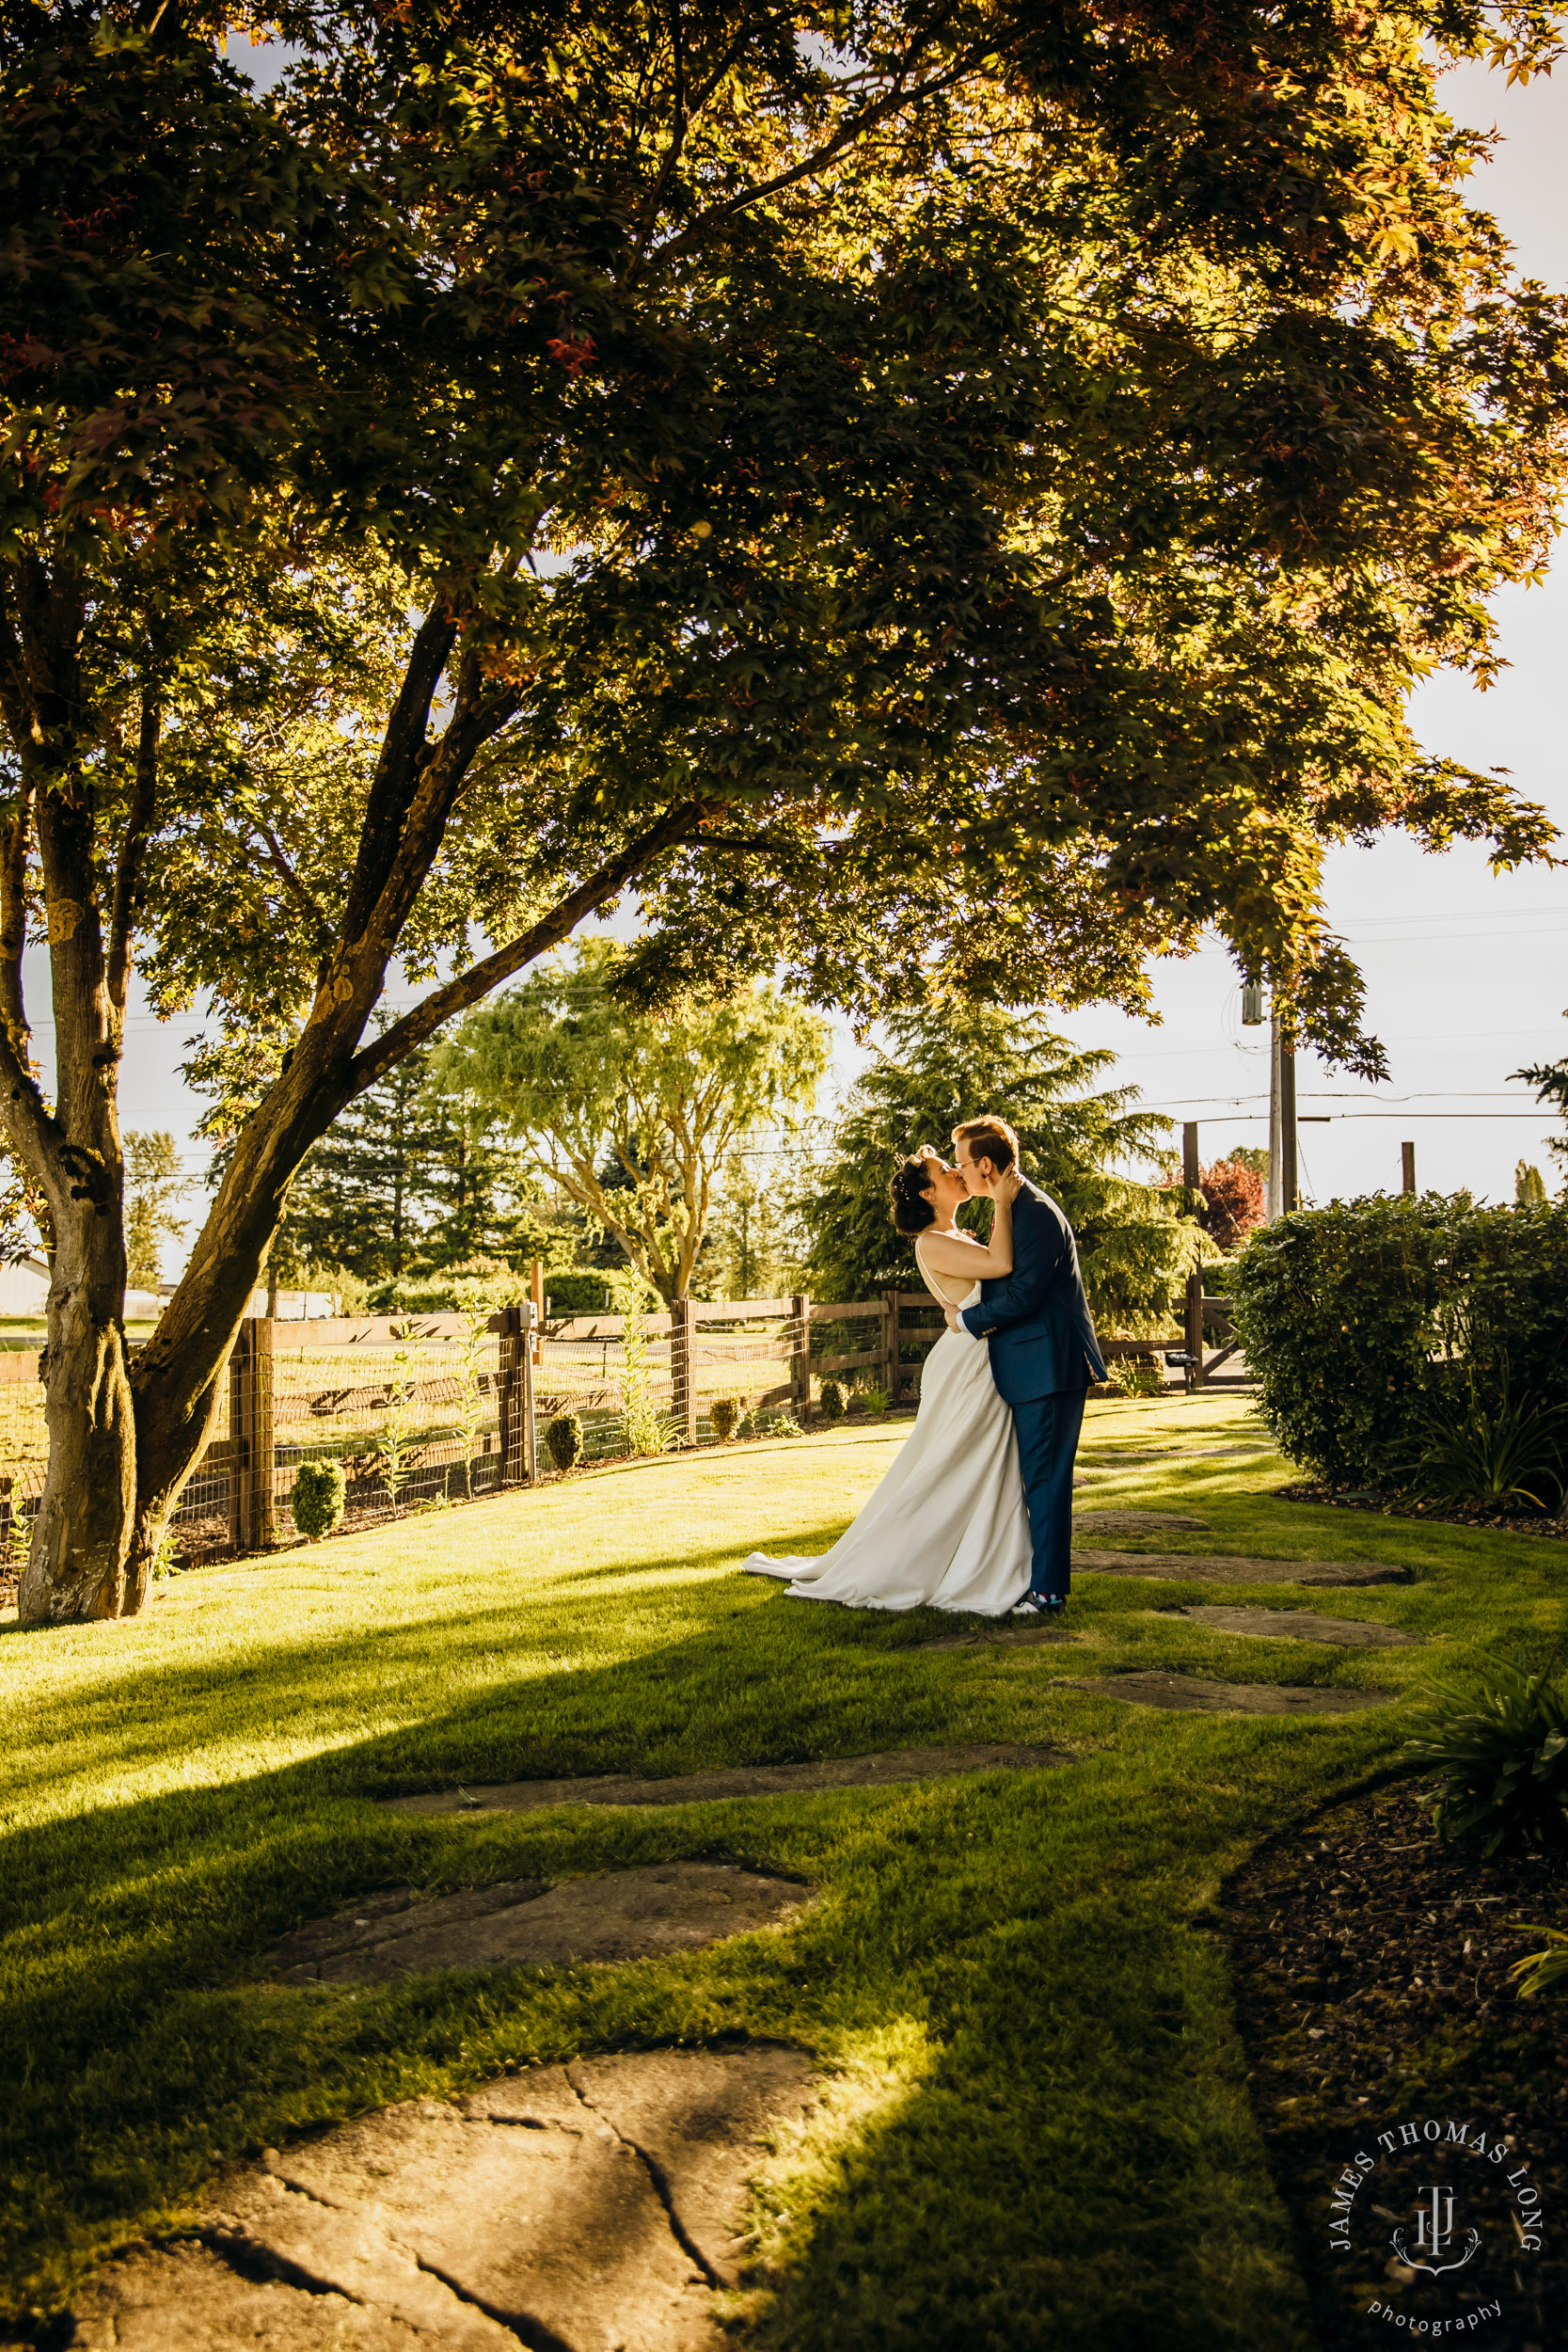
<point>932,497</point>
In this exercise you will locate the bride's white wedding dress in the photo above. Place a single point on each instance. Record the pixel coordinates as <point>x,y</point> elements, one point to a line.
<point>947,1527</point>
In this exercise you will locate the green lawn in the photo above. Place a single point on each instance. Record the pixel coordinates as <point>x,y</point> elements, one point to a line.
<point>1038,2130</point>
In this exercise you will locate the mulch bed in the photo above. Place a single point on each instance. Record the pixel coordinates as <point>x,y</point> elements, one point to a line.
<point>1371,1966</point>
<point>1400,1507</point>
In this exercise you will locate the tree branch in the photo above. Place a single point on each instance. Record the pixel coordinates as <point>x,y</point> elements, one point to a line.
<point>425,1018</point>
<point>296,889</point>
<point>133,853</point>
<point>397,770</point>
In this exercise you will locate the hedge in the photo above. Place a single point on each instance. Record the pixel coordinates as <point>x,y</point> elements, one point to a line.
<point>1356,1317</point>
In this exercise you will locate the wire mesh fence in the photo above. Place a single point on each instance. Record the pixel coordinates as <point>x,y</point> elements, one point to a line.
<point>432,1409</point>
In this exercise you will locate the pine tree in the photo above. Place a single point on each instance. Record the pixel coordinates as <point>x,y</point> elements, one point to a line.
<point>943,1067</point>
<point>362,1197</point>
<point>152,1182</point>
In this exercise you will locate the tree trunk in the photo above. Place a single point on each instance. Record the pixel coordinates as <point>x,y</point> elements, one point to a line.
<point>79,1563</point>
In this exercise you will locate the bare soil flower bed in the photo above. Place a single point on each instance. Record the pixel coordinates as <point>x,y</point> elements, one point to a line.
<point>1370,1965</point>
<point>1396,1506</point>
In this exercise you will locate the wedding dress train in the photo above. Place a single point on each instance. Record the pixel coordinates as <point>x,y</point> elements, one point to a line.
<point>947,1527</point>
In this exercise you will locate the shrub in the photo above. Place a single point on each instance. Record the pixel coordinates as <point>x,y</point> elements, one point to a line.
<point>876,1400</point>
<point>779,1425</point>
<point>1360,1319</point>
<point>832,1400</point>
<point>1500,1455</point>
<point>564,1440</point>
<point>1136,1376</point>
<point>320,1492</point>
<point>1539,1971</point>
<point>1500,1756</point>
<point>723,1413</point>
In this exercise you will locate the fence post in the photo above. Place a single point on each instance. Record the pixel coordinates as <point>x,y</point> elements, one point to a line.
<point>264,1436</point>
<point>683,1399</point>
<point>536,1293</point>
<point>239,1434</point>
<point>510,1385</point>
<point>889,1341</point>
<point>800,1369</point>
<point>526,1350</point>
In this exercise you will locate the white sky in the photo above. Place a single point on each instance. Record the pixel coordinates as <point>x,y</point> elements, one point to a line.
<point>1466,974</point>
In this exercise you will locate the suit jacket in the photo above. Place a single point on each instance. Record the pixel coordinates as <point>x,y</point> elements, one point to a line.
<point>1037,1318</point>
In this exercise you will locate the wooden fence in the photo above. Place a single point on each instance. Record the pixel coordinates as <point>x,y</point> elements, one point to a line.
<point>447,1407</point>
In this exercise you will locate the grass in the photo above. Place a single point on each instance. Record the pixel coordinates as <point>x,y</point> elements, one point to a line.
<point>1038,2129</point>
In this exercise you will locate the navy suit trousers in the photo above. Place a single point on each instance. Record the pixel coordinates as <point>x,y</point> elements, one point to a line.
<point>1048,1430</point>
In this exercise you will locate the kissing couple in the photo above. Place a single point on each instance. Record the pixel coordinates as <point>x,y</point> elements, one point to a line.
<point>976,1511</point>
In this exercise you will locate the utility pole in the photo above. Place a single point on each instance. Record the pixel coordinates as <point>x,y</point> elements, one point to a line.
<point>1283,1188</point>
<point>1191,1174</point>
<point>1407,1166</point>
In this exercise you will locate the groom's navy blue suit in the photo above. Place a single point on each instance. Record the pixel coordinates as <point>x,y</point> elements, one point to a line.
<point>1043,1355</point>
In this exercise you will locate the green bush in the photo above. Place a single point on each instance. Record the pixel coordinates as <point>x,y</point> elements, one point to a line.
<point>724,1412</point>
<point>1362,1319</point>
<point>1500,1454</point>
<point>1136,1376</point>
<point>832,1400</point>
<point>876,1400</point>
<point>564,1440</point>
<point>1500,1756</point>
<point>320,1491</point>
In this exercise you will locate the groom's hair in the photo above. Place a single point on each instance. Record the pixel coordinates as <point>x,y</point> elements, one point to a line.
<point>990,1139</point>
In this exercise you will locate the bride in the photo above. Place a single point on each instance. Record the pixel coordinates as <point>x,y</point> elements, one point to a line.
<point>947,1527</point>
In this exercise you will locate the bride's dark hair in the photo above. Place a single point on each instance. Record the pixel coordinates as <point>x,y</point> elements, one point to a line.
<point>912,1207</point>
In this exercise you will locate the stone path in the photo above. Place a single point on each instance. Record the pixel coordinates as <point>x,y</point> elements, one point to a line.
<point>583,2208</point>
<point>1298,1625</point>
<point>1192,1691</point>
<point>1132,1522</point>
<point>640,1913</point>
<point>744,1780</point>
<point>1224,1567</point>
<point>1000,1636</point>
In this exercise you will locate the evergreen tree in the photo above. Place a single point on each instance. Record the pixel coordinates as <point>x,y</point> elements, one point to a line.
<point>360,1198</point>
<point>943,1067</point>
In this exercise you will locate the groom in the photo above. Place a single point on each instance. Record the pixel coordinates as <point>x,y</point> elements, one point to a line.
<point>1043,1353</point>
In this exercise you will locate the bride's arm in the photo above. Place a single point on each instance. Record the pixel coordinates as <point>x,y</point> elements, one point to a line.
<point>969,1259</point>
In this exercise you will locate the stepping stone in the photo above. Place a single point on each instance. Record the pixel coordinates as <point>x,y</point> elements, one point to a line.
<point>625,1915</point>
<point>1229,1698</point>
<point>1225,1567</point>
<point>593,2206</point>
<point>1132,1523</point>
<point>743,1780</point>
<point>1298,1625</point>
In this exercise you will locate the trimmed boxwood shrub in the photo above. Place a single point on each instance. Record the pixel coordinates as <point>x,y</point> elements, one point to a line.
<point>320,1491</point>
<point>564,1440</point>
<point>1359,1319</point>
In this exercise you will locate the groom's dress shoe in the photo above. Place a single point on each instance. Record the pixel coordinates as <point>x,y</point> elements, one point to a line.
<point>1037,1605</point>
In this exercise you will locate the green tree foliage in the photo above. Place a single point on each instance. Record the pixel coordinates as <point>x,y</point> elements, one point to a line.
<point>1075,1141</point>
<point>960,495</point>
<point>152,1185</point>
<point>1529,1186</point>
<point>575,1074</point>
<point>1364,1320</point>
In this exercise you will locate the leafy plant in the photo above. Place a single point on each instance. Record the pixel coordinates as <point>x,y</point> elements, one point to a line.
<point>398,1426</point>
<point>648,1430</point>
<point>564,1440</point>
<point>724,1412</point>
<point>1136,1376</point>
<point>1500,1757</point>
<point>470,1393</point>
<point>779,1425</point>
<point>876,1400</point>
<point>832,1400</point>
<point>320,1492</point>
<point>1539,1971</point>
<point>1486,1452</point>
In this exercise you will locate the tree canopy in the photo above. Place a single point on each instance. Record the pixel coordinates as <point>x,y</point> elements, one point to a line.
<point>579,1077</point>
<point>958,1063</point>
<point>933,499</point>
